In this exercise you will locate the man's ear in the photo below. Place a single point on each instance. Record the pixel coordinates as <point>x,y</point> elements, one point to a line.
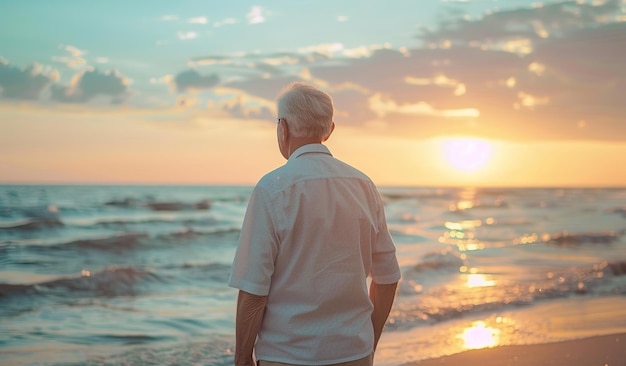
<point>285,130</point>
<point>332,128</point>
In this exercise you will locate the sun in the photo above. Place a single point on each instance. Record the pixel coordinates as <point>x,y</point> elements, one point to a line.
<point>467,154</point>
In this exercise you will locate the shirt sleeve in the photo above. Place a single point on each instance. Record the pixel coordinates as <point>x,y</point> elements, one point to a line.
<point>385,268</point>
<point>253,265</point>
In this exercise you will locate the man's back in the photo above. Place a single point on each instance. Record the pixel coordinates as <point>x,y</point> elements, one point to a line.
<point>327,223</point>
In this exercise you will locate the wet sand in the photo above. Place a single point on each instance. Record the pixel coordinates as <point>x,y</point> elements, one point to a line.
<point>601,350</point>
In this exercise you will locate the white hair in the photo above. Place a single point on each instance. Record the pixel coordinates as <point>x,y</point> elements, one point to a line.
<point>307,110</point>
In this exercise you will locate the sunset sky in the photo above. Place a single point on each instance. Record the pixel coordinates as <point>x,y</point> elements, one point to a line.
<point>427,93</point>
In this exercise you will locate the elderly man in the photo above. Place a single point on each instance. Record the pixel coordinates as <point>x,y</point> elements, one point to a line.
<point>313,233</point>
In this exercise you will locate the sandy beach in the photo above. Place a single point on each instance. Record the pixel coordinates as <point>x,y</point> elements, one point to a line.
<point>609,350</point>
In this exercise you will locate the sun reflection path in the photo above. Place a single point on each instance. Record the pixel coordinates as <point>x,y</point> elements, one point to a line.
<point>462,234</point>
<point>480,336</point>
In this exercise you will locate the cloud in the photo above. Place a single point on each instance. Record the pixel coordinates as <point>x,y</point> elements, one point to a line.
<point>226,21</point>
<point>74,59</point>
<point>256,15</point>
<point>527,23</point>
<point>516,74</point>
<point>240,105</point>
<point>186,102</point>
<point>183,36</point>
<point>74,51</point>
<point>381,107</point>
<point>27,83</point>
<point>210,60</point>
<point>169,18</point>
<point>265,88</point>
<point>351,103</point>
<point>551,71</point>
<point>245,66</point>
<point>198,20</point>
<point>191,80</point>
<point>89,84</point>
<point>31,82</point>
<point>253,98</point>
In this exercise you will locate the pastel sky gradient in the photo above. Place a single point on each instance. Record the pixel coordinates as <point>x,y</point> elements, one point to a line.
<point>427,93</point>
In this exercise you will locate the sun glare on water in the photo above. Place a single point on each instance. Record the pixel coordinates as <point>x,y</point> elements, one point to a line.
<point>480,336</point>
<point>467,154</point>
<point>479,280</point>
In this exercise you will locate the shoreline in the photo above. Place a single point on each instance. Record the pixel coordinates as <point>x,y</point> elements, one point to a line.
<point>597,350</point>
<point>553,323</point>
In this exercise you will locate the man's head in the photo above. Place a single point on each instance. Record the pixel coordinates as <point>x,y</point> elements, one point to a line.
<point>305,116</point>
<point>307,111</point>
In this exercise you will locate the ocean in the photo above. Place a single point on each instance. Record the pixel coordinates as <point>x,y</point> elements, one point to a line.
<point>136,275</point>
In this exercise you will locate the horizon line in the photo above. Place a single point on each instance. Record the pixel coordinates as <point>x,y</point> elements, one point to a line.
<point>226,184</point>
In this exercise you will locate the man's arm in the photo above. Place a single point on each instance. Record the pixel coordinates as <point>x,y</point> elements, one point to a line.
<point>250,311</point>
<point>382,297</point>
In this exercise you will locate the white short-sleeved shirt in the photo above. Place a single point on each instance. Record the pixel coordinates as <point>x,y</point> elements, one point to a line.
<point>314,230</point>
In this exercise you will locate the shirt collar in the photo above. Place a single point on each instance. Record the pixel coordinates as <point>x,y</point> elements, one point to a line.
<point>308,149</point>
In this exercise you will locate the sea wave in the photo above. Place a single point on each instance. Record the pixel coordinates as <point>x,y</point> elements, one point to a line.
<point>122,241</point>
<point>178,206</point>
<point>445,259</point>
<point>117,242</point>
<point>400,195</point>
<point>567,239</point>
<point>433,304</point>
<point>18,298</point>
<point>130,202</point>
<point>618,210</point>
<point>31,224</point>
<point>199,272</point>
<point>113,281</point>
<point>106,282</point>
<point>444,262</point>
<point>190,233</point>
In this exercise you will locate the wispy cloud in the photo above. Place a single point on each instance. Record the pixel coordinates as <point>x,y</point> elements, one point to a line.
<point>381,106</point>
<point>210,60</point>
<point>226,21</point>
<point>184,36</point>
<point>327,49</point>
<point>198,20</point>
<point>169,18</point>
<point>74,60</point>
<point>74,51</point>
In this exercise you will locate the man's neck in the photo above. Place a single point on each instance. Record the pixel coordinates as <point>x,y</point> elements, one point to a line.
<point>297,142</point>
